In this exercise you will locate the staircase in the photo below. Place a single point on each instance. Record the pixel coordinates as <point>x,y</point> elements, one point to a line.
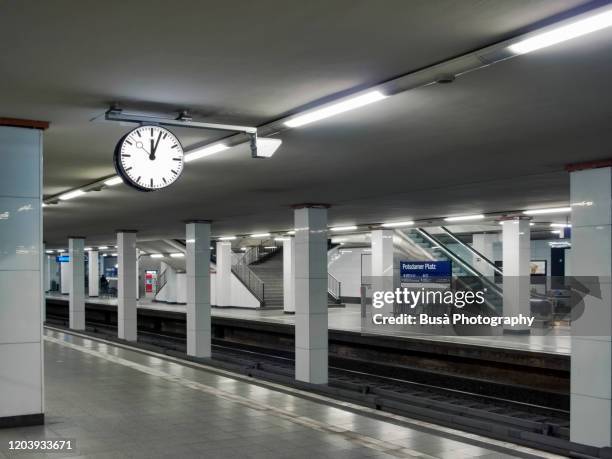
<point>269,268</point>
<point>270,271</point>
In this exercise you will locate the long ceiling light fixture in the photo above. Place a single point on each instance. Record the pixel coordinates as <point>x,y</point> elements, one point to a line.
<point>343,228</point>
<point>554,210</point>
<point>397,224</point>
<point>463,218</point>
<point>113,181</point>
<point>559,34</point>
<point>204,152</point>
<point>336,108</point>
<point>71,195</point>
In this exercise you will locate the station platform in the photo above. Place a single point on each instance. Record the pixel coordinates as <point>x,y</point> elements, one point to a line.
<point>555,342</point>
<point>114,401</point>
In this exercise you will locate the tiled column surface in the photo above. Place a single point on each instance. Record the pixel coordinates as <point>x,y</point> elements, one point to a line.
<point>137,273</point>
<point>382,264</point>
<point>94,273</point>
<point>483,243</point>
<point>64,277</point>
<point>46,272</point>
<point>288,274</point>
<point>311,295</point>
<point>198,289</point>
<point>76,270</point>
<point>126,294</point>
<point>224,273</point>
<point>591,371</point>
<point>516,256</point>
<point>21,295</point>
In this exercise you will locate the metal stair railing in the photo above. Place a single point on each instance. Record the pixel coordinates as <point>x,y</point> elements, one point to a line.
<point>334,287</point>
<point>161,281</point>
<point>240,267</point>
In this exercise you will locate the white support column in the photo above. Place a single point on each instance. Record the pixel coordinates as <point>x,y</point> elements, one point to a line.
<point>21,291</point>
<point>137,274</point>
<point>517,275</point>
<point>483,243</point>
<point>76,270</point>
<point>47,275</point>
<point>288,274</point>
<point>94,273</point>
<point>591,261</point>
<point>64,276</point>
<point>311,345</point>
<point>126,294</point>
<point>224,274</point>
<point>198,289</point>
<point>382,265</point>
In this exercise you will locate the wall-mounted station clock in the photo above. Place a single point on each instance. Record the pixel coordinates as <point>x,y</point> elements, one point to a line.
<point>149,158</point>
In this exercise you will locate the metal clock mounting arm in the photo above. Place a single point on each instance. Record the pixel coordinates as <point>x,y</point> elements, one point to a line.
<point>117,114</point>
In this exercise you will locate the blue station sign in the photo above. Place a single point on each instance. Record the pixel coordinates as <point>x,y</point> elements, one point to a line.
<point>425,272</point>
<point>62,258</point>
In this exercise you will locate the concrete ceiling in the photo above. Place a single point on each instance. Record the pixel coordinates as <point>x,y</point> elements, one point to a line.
<point>493,140</point>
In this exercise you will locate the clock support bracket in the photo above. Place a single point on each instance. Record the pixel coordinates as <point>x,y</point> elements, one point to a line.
<point>184,120</point>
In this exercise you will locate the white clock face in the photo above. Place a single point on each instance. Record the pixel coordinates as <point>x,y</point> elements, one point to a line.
<point>149,158</point>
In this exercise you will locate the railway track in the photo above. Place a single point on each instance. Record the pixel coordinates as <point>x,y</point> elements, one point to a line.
<point>534,425</point>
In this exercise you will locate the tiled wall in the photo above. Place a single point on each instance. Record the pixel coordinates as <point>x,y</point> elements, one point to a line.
<point>21,375</point>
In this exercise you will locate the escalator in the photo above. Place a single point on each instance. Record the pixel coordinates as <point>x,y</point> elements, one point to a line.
<point>443,245</point>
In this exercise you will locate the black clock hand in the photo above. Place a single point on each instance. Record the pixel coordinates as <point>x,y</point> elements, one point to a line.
<point>154,148</point>
<point>152,154</point>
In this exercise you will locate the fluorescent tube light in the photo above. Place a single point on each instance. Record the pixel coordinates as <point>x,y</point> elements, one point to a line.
<point>291,233</point>
<point>260,235</point>
<point>335,109</point>
<point>205,151</point>
<point>113,254</point>
<point>281,239</point>
<point>156,255</point>
<point>556,231</point>
<point>464,218</point>
<point>113,181</point>
<point>563,33</point>
<point>45,205</point>
<point>48,251</point>
<point>343,228</point>
<point>227,238</point>
<point>397,224</point>
<point>71,195</point>
<point>87,249</point>
<point>177,255</point>
<point>555,210</point>
<point>270,247</point>
<point>560,225</point>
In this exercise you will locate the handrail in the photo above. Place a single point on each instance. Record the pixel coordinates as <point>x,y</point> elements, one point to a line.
<point>465,265</point>
<point>334,287</point>
<point>473,250</point>
<point>246,275</point>
<point>161,281</point>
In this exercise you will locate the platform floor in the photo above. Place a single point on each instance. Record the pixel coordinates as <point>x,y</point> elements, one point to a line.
<point>556,341</point>
<point>119,403</point>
